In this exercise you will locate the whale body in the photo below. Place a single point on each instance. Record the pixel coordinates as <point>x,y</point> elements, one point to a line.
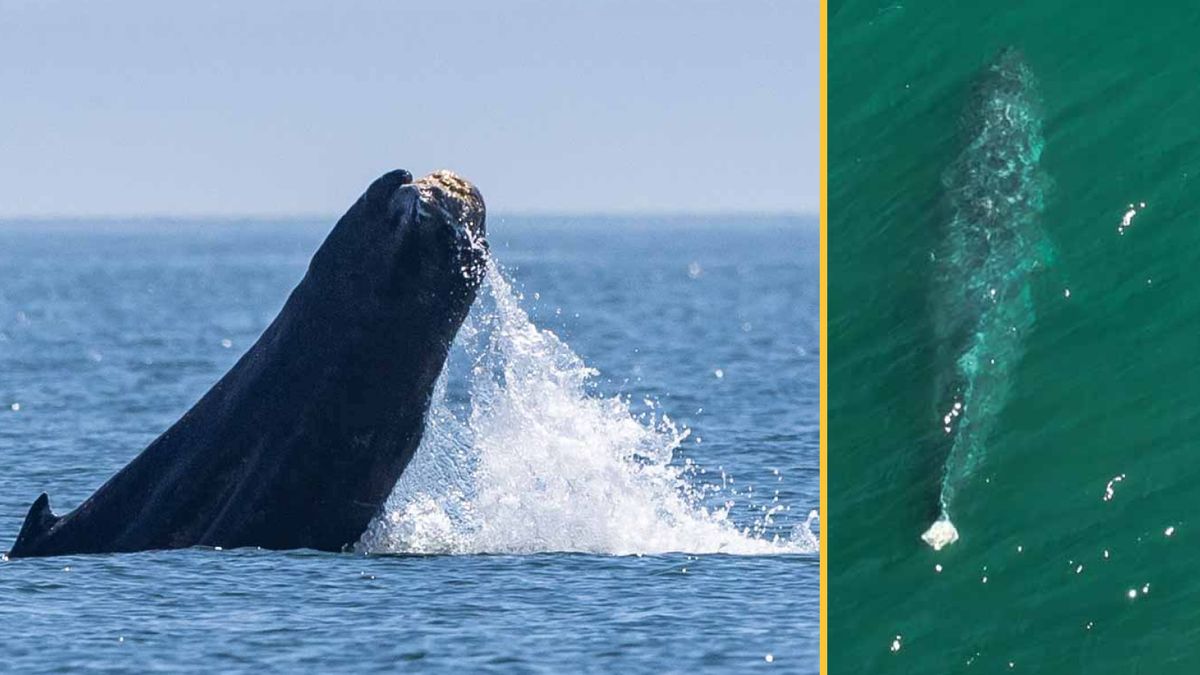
<point>301,442</point>
<point>982,304</point>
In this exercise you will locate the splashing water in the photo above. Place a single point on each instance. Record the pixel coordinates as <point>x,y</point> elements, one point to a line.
<point>518,457</point>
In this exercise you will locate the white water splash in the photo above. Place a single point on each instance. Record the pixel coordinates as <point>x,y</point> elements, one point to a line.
<point>519,457</point>
<point>1127,219</point>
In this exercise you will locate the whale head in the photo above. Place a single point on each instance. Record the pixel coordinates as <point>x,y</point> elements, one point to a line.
<point>301,442</point>
<point>375,317</point>
<point>449,215</point>
<point>417,247</point>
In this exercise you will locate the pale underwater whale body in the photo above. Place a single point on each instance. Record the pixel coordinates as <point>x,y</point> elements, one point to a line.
<point>300,444</point>
<point>983,306</point>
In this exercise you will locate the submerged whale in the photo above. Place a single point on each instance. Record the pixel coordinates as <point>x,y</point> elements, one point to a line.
<point>301,442</point>
<point>982,304</point>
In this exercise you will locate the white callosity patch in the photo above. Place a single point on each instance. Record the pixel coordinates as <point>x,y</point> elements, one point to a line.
<point>520,457</point>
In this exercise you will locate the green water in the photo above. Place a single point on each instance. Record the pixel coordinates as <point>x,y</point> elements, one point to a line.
<point>1103,382</point>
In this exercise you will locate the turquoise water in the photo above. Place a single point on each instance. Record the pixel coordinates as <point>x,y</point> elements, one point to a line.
<point>617,475</point>
<point>1071,478</point>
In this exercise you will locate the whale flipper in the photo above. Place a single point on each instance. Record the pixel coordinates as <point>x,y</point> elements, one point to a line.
<point>38,522</point>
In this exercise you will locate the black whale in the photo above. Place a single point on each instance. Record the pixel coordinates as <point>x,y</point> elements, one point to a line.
<point>300,444</point>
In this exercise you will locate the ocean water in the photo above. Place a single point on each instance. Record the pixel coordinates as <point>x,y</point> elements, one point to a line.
<point>619,472</point>
<point>1069,470</point>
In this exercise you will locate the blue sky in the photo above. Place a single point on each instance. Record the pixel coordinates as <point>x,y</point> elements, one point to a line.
<point>291,108</point>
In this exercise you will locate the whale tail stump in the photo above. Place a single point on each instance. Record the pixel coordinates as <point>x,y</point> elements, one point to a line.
<point>941,534</point>
<point>37,524</point>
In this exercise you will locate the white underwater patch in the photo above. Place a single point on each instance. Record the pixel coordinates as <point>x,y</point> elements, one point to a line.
<point>519,457</point>
<point>941,534</point>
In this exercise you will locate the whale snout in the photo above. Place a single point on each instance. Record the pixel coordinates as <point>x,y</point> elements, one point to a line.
<point>451,214</point>
<point>441,212</point>
<point>451,199</point>
<point>442,198</point>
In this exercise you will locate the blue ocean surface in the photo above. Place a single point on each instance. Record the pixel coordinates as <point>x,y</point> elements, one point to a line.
<point>619,474</point>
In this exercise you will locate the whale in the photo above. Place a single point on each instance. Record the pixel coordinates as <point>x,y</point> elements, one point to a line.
<point>300,444</point>
<point>991,246</point>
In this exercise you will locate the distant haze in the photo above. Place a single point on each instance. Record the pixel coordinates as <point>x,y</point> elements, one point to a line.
<point>272,108</point>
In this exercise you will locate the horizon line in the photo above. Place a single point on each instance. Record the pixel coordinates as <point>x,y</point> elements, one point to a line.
<point>298,217</point>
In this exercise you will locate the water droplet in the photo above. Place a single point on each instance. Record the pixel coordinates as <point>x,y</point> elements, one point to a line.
<point>532,414</point>
<point>1110,489</point>
<point>1127,218</point>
